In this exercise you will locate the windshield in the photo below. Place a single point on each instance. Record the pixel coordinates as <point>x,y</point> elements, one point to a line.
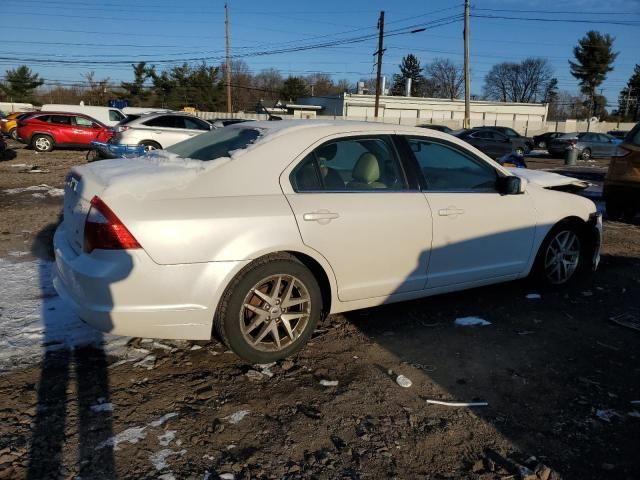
<point>215,144</point>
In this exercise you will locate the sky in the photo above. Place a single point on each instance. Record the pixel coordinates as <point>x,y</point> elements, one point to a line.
<point>64,39</point>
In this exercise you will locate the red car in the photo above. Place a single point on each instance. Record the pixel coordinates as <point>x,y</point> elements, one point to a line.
<point>48,130</point>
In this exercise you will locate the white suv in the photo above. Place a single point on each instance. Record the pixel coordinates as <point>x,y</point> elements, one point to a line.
<point>159,130</point>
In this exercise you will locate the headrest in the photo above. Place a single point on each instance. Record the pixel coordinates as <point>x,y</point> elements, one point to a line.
<point>367,169</point>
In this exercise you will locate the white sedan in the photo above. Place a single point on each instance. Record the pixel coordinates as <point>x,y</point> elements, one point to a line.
<point>255,231</point>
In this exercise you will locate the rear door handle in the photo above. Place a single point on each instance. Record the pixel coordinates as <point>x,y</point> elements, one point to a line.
<point>450,212</point>
<point>321,216</point>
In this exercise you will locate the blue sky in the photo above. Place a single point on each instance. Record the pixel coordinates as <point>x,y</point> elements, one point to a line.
<point>54,34</point>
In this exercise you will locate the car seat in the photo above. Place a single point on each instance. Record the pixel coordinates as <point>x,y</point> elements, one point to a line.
<point>366,173</point>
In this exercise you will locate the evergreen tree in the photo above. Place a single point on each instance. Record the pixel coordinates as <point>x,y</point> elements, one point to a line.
<point>410,68</point>
<point>20,84</point>
<point>594,59</point>
<point>294,87</point>
<point>136,91</point>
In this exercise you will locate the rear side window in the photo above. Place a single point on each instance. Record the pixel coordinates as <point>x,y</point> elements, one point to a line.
<point>83,122</point>
<point>353,164</point>
<point>195,124</point>
<point>166,121</point>
<point>60,119</point>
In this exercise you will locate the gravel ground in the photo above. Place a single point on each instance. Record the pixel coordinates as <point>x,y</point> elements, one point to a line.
<point>558,376</point>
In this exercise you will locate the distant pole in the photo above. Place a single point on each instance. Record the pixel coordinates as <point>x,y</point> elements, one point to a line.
<point>467,98</point>
<point>379,74</point>
<point>228,62</point>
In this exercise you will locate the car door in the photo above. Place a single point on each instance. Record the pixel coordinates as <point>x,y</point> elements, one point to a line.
<point>166,129</point>
<point>83,131</point>
<point>62,129</point>
<point>355,206</point>
<point>195,126</point>
<point>478,234</point>
<point>481,140</point>
<point>500,144</point>
<point>608,145</point>
<point>590,141</point>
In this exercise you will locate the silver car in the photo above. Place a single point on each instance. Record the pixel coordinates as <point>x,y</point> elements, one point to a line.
<point>160,130</point>
<point>588,144</point>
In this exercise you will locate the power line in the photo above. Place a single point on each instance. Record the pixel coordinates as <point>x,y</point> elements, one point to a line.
<point>631,23</point>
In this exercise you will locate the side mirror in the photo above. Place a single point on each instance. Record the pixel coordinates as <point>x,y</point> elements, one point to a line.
<point>511,185</point>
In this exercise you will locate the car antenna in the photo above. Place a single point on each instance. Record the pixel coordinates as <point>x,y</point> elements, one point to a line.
<point>263,109</point>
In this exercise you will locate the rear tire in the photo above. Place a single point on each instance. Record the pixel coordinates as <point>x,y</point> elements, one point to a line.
<point>586,154</point>
<point>542,145</point>
<point>42,143</point>
<point>520,151</point>
<point>150,145</point>
<point>269,310</point>
<point>562,255</point>
<point>13,133</point>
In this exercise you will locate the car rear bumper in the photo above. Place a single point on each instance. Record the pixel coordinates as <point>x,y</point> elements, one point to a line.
<point>124,292</point>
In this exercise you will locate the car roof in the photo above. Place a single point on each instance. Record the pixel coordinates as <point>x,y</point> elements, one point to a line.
<point>148,116</point>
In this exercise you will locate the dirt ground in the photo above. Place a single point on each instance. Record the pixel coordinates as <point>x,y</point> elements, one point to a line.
<point>558,376</point>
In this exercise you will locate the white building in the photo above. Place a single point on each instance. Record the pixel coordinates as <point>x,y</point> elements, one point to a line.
<point>417,110</point>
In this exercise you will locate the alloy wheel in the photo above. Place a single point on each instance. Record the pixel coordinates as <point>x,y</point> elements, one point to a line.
<point>275,312</point>
<point>586,154</point>
<point>42,144</point>
<point>562,257</point>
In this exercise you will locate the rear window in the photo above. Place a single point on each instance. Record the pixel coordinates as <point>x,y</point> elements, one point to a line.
<point>216,144</point>
<point>115,116</point>
<point>634,135</point>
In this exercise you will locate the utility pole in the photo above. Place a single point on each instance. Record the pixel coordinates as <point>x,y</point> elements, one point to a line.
<point>228,63</point>
<point>467,87</point>
<point>379,52</point>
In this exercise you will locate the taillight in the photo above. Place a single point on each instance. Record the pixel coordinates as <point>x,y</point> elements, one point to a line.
<point>621,152</point>
<point>104,230</point>
<point>122,128</point>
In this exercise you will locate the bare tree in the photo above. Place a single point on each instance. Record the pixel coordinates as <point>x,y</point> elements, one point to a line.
<point>98,91</point>
<point>522,82</point>
<point>447,78</point>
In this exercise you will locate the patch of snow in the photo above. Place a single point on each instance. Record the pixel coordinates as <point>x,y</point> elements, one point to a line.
<point>329,383</point>
<point>48,190</point>
<point>227,476</point>
<point>159,459</point>
<point>34,319</point>
<point>534,296</point>
<point>471,321</point>
<point>130,435</point>
<point>163,419</point>
<point>102,407</point>
<point>166,438</point>
<point>403,381</point>
<point>237,417</point>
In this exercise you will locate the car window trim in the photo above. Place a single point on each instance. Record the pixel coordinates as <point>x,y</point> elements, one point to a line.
<point>385,136</point>
<point>424,187</point>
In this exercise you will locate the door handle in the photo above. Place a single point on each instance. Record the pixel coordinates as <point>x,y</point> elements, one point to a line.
<point>450,212</point>
<point>321,216</point>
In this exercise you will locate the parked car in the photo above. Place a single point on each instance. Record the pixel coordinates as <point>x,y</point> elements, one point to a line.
<point>9,124</point>
<point>440,128</point>
<point>542,141</point>
<point>160,130</point>
<point>622,183</point>
<point>106,115</point>
<point>621,134</point>
<point>521,144</point>
<point>257,244</point>
<point>45,131</point>
<point>588,144</point>
<point>490,142</point>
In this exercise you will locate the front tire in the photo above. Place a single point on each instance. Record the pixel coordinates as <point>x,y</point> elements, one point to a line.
<point>520,151</point>
<point>13,133</point>
<point>42,143</point>
<point>270,309</point>
<point>561,255</point>
<point>586,154</point>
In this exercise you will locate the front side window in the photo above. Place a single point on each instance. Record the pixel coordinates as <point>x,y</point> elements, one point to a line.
<point>195,124</point>
<point>83,122</point>
<point>509,132</point>
<point>115,116</point>
<point>353,164</point>
<point>446,168</point>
